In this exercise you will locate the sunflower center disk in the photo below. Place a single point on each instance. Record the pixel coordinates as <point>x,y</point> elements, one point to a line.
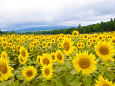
<point>104,50</point>
<point>113,41</point>
<point>66,46</point>
<point>3,68</point>
<point>21,59</point>
<point>84,63</point>
<point>4,56</point>
<point>75,33</point>
<point>23,53</point>
<point>53,57</point>
<point>45,61</point>
<point>29,73</point>
<point>105,84</point>
<point>39,60</point>
<point>4,44</point>
<point>47,71</point>
<point>59,56</point>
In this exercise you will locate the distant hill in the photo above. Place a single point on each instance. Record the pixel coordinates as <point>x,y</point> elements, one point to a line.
<point>99,27</point>
<point>43,28</point>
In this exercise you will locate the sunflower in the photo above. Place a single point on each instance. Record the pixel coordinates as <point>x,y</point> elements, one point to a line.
<point>38,59</point>
<point>85,36</point>
<point>31,47</point>
<point>21,59</point>
<point>24,52</point>
<point>53,56</point>
<point>47,71</point>
<point>4,45</point>
<point>49,44</point>
<point>10,45</point>
<point>13,48</point>
<point>46,59</point>
<point>88,43</point>
<point>104,50</point>
<point>4,55</point>
<point>79,45</point>
<point>68,48</point>
<point>5,69</point>
<point>85,63</point>
<point>52,40</point>
<point>60,45</point>
<point>103,82</point>
<point>44,44</point>
<point>18,47</point>
<point>75,49</point>
<point>59,56</point>
<point>29,73</point>
<point>113,40</point>
<point>75,33</point>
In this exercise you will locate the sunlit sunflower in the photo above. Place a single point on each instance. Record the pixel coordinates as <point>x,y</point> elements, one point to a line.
<point>88,43</point>
<point>24,52</point>
<point>103,82</point>
<point>13,48</point>
<point>46,59</point>
<point>68,48</point>
<point>59,56</point>
<point>21,59</point>
<point>5,69</point>
<point>44,44</point>
<point>79,45</point>
<point>75,49</point>
<point>18,47</point>
<point>31,48</point>
<point>49,44</point>
<point>29,73</point>
<point>60,45</point>
<point>75,33</point>
<point>4,55</point>
<point>4,45</point>
<point>9,45</point>
<point>104,50</point>
<point>38,59</point>
<point>113,40</point>
<point>52,40</point>
<point>85,63</point>
<point>53,56</point>
<point>47,71</point>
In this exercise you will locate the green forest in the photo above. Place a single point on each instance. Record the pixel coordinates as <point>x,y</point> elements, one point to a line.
<point>99,27</point>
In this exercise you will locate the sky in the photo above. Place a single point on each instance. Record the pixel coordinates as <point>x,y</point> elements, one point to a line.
<point>17,14</point>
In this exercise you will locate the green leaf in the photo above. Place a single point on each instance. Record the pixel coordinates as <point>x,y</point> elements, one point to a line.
<point>87,81</point>
<point>73,72</point>
<point>59,83</point>
<point>75,82</point>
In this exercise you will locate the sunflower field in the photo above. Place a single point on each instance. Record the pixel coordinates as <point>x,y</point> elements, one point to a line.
<point>58,60</point>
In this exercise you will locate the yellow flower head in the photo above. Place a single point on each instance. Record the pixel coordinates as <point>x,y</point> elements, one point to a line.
<point>85,63</point>
<point>21,59</point>
<point>4,55</point>
<point>59,56</point>
<point>29,73</point>
<point>103,82</point>
<point>38,59</point>
<point>104,50</point>
<point>47,71</point>
<point>46,59</point>
<point>5,69</point>
<point>24,52</point>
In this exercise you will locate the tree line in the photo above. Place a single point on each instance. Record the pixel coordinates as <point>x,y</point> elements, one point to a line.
<point>99,27</point>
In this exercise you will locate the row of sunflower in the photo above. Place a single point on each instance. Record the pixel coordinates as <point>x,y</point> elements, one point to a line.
<point>58,60</point>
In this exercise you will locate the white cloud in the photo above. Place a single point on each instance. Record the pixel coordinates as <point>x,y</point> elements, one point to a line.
<point>54,12</point>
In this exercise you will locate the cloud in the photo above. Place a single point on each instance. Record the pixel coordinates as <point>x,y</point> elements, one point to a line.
<point>16,14</point>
